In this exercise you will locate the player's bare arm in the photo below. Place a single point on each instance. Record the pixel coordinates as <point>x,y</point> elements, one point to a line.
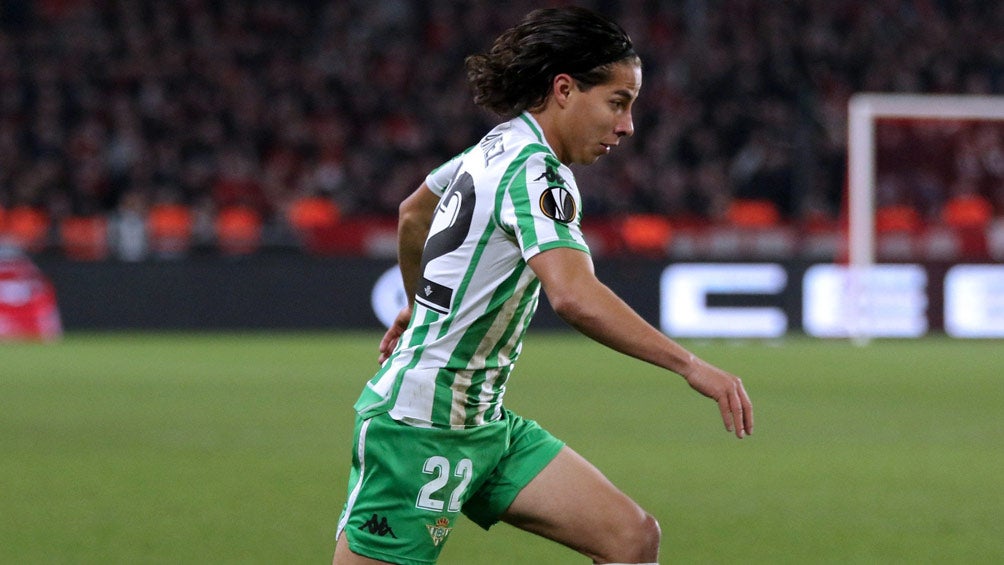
<point>414,221</point>
<point>589,306</point>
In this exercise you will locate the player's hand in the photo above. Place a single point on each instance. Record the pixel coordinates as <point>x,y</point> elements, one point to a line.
<point>727,390</point>
<point>389,341</point>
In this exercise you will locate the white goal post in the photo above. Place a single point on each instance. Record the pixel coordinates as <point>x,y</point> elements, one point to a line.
<point>863,111</point>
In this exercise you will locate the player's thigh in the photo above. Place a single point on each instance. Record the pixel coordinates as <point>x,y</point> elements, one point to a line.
<point>344,555</point>
<point>573,503</point>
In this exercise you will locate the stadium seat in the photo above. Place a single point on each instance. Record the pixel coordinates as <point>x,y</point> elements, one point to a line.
<point>646,233</point>
<point>897,218</point>
<point>170,228</point>
<point>27,227</point>
<point>312,218</point>
<point>967,211</point>
<point>313,212</point>
<point>84,238</point>
<point>238,230</point>
<point>752,213</point>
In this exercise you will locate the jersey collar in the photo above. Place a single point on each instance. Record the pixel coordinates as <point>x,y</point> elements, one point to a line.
<point>535,129</point>
<point>533,125</point>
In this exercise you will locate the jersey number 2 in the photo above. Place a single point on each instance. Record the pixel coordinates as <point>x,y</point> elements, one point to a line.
<point>450,226</point>
<point>452,220</point>
<point>440,467</point>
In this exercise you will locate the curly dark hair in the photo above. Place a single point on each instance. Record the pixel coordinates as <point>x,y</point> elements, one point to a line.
<point>517,72</point>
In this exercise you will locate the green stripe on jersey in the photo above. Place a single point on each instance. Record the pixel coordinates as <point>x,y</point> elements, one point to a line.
<point>520,195</point>
<point>515,174</point>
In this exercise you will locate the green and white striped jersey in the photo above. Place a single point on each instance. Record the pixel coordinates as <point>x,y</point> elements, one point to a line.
<point>503,201</point>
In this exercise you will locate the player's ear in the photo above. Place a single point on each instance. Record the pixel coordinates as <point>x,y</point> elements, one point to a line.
<point>561,88</point>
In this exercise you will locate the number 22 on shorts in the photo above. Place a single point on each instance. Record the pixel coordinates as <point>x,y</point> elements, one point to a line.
<point>439,466</point>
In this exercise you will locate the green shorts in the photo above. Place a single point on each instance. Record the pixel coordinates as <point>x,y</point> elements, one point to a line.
<point>408,485</point>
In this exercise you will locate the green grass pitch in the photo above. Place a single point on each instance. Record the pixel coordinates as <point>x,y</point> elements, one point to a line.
<point>234,448</point>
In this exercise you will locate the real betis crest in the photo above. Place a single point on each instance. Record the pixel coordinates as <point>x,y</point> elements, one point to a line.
<point>439,530</point>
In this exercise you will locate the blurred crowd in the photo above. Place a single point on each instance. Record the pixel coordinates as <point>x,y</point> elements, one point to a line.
<point>108,107</point>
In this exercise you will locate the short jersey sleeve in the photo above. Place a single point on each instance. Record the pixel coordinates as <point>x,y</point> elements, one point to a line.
<point>440,177</point>
<point>541,206</point>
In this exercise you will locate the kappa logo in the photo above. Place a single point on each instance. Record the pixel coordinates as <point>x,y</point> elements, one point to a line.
<point>378,526</point>
<point>439,530</point>
<point>551,175</point>
<point>558,204</point>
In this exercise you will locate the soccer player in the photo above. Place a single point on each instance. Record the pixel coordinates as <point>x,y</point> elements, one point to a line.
<point>477,241</point>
